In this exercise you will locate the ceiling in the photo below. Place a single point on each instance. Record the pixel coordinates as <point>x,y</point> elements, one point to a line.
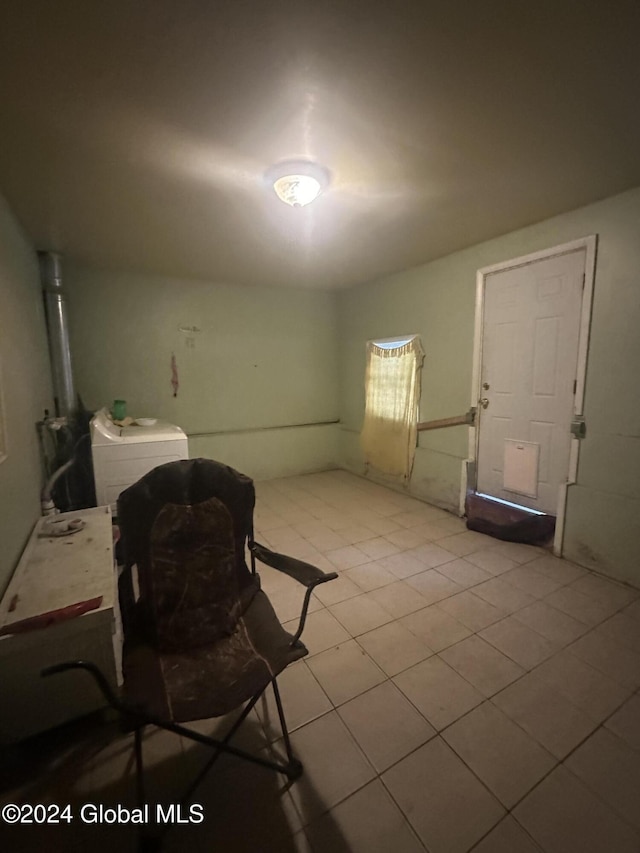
<point>136,133</point>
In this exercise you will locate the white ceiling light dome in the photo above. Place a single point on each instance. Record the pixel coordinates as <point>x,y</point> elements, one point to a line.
<point>298,182</point>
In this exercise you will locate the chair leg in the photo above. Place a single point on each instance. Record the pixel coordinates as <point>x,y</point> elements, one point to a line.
<point>220,748</point>
<point>294,769</point>
<point>149,844</point>
<point>147,841</point>
<point>139,767</point>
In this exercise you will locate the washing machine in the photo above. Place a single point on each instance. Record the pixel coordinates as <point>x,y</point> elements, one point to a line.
<point>121,455</point>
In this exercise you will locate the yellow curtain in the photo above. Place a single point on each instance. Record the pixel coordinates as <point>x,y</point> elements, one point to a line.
<point>392,389</point>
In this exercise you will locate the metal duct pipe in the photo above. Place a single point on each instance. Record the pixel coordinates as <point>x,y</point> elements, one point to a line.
<point>58,330</point>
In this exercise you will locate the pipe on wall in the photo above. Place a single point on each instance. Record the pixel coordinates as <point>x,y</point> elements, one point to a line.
<point>58,333</point>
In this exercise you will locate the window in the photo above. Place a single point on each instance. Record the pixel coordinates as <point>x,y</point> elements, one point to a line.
<point>392,394</point>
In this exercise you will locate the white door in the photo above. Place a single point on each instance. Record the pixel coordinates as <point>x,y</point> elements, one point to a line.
<point>530,333</point>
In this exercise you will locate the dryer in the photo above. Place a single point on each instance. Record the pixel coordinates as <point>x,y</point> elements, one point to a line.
<point>121,455</point>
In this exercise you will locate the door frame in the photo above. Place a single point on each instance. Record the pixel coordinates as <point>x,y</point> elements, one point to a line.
<point>589,244</point>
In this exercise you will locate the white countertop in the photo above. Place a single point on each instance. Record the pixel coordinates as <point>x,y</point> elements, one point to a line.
<point>55,572</point>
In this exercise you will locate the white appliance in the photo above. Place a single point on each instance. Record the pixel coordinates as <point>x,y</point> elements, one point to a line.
<point>121,455</point>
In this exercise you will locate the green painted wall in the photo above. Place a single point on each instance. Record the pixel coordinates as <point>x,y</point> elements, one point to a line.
<point>263,357</point>
<point>26,385</point>
<point>437,301</point>
<point>267,357</point>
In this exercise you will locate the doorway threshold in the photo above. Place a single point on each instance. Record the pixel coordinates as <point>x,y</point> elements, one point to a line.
<point>508,521</point>
<point>524,509</point>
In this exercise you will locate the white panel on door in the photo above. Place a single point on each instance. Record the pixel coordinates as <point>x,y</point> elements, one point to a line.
<point>501,428</point>
<point>549,286</point>
<point>507,295</point>
<point>505,344</point>
<point>545,354</point>
<point>542,434</point>
<point>521,467</point>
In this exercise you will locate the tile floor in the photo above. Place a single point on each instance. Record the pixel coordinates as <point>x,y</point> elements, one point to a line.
<point>460,694</point>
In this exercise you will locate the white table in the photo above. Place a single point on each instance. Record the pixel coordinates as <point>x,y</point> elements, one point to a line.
<point>54,573</point>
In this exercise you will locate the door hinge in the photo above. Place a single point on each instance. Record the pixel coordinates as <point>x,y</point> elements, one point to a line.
<point>584,279</point>
<point>578,427</point>
<point>575,386</point>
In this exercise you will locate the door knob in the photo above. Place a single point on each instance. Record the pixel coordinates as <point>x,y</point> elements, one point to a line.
<point>484,402</point>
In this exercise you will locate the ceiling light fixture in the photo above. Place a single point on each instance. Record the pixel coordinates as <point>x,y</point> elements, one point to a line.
<point>298,182</point>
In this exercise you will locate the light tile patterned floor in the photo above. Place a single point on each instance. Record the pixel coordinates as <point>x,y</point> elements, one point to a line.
<point>460,694</point>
